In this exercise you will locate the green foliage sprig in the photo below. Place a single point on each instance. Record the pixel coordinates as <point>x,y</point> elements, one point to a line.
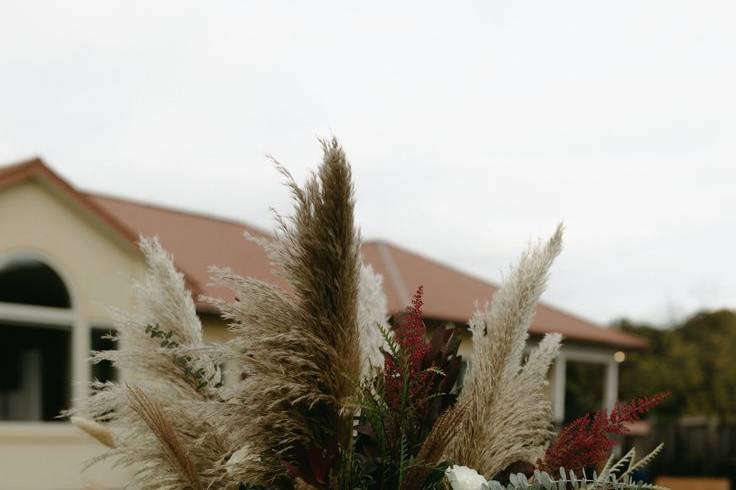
<point>614,476</point>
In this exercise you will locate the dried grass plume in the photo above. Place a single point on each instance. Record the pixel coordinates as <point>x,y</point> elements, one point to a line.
<point>508,415</point>
<point>299,351</point>
<point>95,430</point>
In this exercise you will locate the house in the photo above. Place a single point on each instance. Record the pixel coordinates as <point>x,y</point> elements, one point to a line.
<point>67,255</point>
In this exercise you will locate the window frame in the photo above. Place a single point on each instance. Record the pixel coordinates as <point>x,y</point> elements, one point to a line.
<point>52,317</point>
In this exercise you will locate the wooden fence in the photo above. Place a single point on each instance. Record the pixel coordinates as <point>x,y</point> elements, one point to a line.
<point>693,447</point>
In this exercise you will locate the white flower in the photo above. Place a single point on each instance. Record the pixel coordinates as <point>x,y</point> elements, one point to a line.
<point>464,478</point>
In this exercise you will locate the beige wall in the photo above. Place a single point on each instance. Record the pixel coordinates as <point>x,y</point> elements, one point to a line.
<point>96,268</point>
<point>50,457</point>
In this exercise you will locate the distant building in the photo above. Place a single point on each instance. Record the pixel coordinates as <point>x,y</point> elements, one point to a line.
<point>67,255</point>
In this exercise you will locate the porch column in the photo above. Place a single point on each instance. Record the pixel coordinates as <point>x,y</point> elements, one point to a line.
<point>558,388</point>
<point>80,352</point>
<point>610,395</point>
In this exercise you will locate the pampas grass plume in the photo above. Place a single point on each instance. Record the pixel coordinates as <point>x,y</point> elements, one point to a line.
<point>95,430</point>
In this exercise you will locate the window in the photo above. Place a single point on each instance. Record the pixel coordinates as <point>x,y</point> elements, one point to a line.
<point>103,371</point>
<point>35,341</point>
<point>34,372</point>
<point>31,282</point>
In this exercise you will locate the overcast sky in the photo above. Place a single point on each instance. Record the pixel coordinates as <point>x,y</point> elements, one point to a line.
<point>472,127</point>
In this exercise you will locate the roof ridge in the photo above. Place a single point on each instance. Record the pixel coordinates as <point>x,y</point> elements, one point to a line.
<point>437,262</point>
<point>393,271</point>
<point>26,162</point>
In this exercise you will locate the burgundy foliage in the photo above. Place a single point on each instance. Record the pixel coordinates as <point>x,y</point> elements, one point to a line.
<point>427,367</point>
<point>586,442</point>
<point>411,335</point>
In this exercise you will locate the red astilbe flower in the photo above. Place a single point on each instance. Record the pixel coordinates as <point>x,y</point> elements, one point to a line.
<point>409,397</point>
<point>410,335</point>
<point>585,442</point>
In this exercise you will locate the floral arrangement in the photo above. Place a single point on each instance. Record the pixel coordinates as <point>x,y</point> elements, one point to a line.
<point>316,391</point>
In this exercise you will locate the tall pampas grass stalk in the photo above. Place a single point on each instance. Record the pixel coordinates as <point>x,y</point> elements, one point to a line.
<point>508,415</point>
<point>300,351</point>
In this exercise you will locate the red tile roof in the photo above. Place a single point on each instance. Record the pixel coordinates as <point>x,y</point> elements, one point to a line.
<point>450,294</point>
<point>197,241</point>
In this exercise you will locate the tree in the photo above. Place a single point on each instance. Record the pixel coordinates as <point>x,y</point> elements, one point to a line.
<point>692,359</point>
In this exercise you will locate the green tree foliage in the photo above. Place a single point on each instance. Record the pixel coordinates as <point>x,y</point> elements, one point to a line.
<point>693,359</point>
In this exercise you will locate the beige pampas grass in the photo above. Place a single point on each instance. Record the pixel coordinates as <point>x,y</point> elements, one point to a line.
<point>153,415</point>
<point>372,317</point>
<point>508,416</point>
<point>95,430</point>
<point>162,331</point>
<point>299,350</point>
<point>160,350</point>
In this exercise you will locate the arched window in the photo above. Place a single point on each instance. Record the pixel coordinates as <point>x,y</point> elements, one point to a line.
<point>35,341</point>
<point>31,282</point>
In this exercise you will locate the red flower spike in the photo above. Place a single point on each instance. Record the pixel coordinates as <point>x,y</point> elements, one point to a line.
<point>428,370</point>
<point>585,442</point>
<point>412,333</point>
<point>411,337</point>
